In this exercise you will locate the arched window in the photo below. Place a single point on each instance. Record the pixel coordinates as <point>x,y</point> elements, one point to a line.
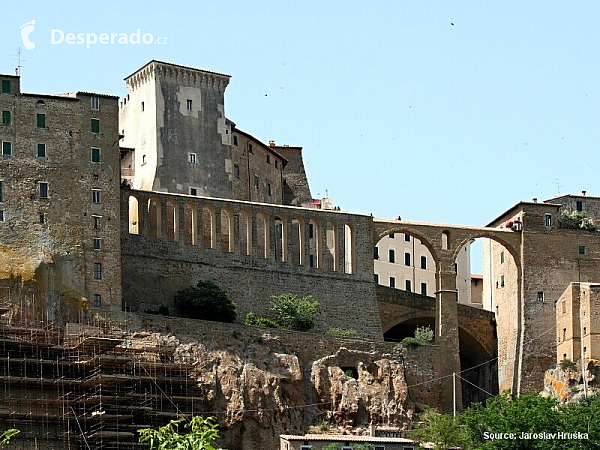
<point>331,241</point>
<point>172,221</point>
<point>154,218</point>
<point>314,243</point>
<point>209,238</point>
<point>245,233</point>
<point>190,224</point>
<point>226,230</point>
<point>134,215</point>
<point>348,248</point>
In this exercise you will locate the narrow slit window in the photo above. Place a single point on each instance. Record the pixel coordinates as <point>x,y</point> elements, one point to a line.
<point>6,148</point>
<point>6,119</point>
<point>41,150</point>
<point>95,125</point>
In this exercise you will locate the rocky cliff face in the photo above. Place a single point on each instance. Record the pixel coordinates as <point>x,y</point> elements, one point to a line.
<point>261,384</point>
<point>567,384</point>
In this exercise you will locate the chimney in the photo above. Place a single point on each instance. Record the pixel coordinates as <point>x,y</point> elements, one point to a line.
<point>583,192</point>
<point>271,143</point>
<point>534,199</point>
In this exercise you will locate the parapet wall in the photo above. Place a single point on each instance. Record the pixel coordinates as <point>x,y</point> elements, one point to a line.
<point>253,251</point>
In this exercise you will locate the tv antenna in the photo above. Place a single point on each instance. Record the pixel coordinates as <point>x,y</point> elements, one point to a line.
<point>19,61</point>
<point>557,183</point>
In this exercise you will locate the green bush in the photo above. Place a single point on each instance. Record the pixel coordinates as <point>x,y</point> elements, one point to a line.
<point>343,332</point>
<point>294,313</point>
<point>206,301</point>
<point>260,321</point>
<point>424,334</point>
<point>576,220</point>
<point>566,364</point>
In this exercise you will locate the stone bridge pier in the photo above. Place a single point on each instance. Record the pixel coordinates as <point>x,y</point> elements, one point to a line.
<point>444,243</point>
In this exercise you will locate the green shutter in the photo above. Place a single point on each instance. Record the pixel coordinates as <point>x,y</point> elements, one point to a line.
<point>95,155</point>
<point>5,117</point>
<point>95,125</point>
<point>41,120</point>
<point>41,150</point>
<point>6,86</point>
<point>7,149</point>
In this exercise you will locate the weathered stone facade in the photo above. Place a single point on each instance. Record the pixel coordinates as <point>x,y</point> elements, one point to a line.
<point>59,173</point>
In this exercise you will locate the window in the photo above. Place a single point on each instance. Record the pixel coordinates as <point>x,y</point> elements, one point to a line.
<point>268,159</point>
<point>95,103</point>
<point>6,86</point>
<point>392,282</point>
<point>548,220</point>
<point>276,164</point>
<point>143,159</point>
<point>391,235</point>
<point>376,253</point>
<point>269,189</point>
<point>43,187</point>
<point>584,331</point>
<point>189,105</point>
<point>407,237</point>
<point>423,288</point>
<point>192,158</point>
<point>96,222</point>
<point>42,219</point>
<point>381,447</point>
<point>95,125</point>
<point>97,244</point>
<point>1,190</point>
<point>311,260</point>
<point>391,255</point>
<point>235,141</point>
<point>250,148</point>
<point>1,215</point>
<point>582,249</point>
<point>579,205</point>
<point>376,278</point>
<point>193,191</point>
<point>41,151</point>
<point>5,117</point>
<point>256,181</point>
<point>408,285</point>
<point>95,177</point>
<point>97,271</point>
<point>95,155</point>
<point>96,197</point>
<point>407,259</point>
<point>564,334</point>
<point>501,257</point>
<point>41,120</point>
<point>97,300</point>
<point>311,230</point>
<point>6,148</point>
<point>423,262</point>
<point>540,296</point>
<point>236,171</point>
<point>502,281</point>
<point>143,107</point>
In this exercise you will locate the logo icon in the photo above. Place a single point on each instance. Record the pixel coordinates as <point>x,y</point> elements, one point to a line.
<point>26,30</point>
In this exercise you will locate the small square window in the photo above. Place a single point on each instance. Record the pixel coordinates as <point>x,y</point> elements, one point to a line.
<point>392,282</point>
<point>1,215</point>
<point>189,105</point>
<point>43,189</point>
<point>97,243</point>
<point>408,285</point>
<point>41,120</point>
<point>95,125</point>
<point>95,103</point>
<point>6,86</point>
<point>97,271</point>
<point>96,221</point>
<point>96,196</point>
<point>579,205</point>
<point>192,158</point>
<point>540,296</point>
<point>193,191</point>
<point>391,235</point>
<point>42,219</point>
<point>268,159</point>
<point>236,171</point>
<point>6,148</point>
<point>407,237</point>
<point>6,118</point>
<point>391,255</point>
<point>582,249</point>
<point>95,155</point>
<point>41,151</point>
<point>95,177</point>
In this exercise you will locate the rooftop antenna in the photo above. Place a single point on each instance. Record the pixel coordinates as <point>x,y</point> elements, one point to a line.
<point>19,61</point>
<point>557,183</point>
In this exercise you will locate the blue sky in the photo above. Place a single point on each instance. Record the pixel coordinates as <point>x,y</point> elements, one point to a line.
<point>399,111</point>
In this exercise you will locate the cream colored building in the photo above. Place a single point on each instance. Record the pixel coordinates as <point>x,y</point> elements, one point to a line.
<point>578,323</point>
<point>403,262</point>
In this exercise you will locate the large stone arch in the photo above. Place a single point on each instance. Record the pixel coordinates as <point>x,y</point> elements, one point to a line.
<point>380,234</point>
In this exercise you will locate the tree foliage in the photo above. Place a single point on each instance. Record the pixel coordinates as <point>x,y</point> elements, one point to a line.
<point>7,435</point>
<point>260,321</point>
<point>206,301</point>
<point>293,312</point>
<point>443,430</point>
<point>201,436</point>
<point>577,219</point>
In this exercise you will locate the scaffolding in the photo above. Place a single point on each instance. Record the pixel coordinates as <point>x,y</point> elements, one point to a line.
<point>87,387</point>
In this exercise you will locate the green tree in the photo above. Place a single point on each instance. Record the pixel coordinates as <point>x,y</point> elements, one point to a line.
<point>443,430</point>
<point>201,436</point>
<point>293,312</point>
<point>206,301</point>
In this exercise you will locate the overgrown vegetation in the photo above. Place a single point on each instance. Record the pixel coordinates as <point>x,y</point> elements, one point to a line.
<point>202,435</point>
<point>576,220</point>
<point>504,415</point>
<point>7,435</point>
<point>290,313</point>
<point>566,364</point>
<point>337,446</point>
<point>423,336</point>
<point>206,301</point>
<point>343,332</point>
<point>162,310</point>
